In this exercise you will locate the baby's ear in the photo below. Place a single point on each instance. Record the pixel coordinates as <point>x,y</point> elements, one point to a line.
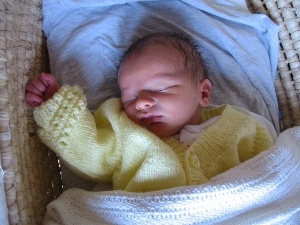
<point>205,89</point>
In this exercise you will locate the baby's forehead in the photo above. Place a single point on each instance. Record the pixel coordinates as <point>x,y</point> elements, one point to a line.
<point>149,49</point>
<point>155,52</point>
<point>169,42</point>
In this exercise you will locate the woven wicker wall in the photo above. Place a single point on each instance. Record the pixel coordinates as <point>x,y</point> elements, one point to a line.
<point>32,175</point>
<point>286,14</point>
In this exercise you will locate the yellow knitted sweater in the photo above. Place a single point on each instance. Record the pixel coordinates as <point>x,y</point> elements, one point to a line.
<point>107,146</point>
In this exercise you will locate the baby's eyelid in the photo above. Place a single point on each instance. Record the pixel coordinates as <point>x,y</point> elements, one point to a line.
<point>162,89</point>
<point>166,88</point>
<point>130,100</point>
<point>125,97</point>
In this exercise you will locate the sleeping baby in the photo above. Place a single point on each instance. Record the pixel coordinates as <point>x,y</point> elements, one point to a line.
<point>161,133</point>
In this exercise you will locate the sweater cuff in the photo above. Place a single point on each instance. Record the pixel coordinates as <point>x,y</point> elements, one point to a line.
<point>60,114</point>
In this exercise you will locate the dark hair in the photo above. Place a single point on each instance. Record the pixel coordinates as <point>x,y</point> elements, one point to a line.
<point>193,61</point>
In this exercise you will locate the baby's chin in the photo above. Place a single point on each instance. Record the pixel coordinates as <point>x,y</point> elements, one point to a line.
<point>162,131</point>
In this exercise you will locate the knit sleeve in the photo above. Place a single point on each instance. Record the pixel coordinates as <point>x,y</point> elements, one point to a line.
<point>69,129</point>
<point>253,139</point>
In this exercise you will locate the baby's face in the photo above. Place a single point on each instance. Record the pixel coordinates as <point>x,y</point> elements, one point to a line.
<point>157,92</point>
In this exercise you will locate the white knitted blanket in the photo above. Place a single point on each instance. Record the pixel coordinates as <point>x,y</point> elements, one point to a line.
<point>262,190</point>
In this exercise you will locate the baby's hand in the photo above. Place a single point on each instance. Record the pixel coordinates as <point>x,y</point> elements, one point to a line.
<point>41,89</point>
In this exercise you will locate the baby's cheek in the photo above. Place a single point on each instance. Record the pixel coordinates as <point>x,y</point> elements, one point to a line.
<point>132,116</point>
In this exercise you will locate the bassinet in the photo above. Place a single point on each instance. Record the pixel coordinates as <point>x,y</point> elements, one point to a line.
<point>32,176</point>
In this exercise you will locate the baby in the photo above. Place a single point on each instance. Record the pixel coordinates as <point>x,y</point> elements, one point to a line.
<point>160,134</point>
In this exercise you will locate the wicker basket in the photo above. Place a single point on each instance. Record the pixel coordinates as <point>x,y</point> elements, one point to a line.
<point>32,174</point>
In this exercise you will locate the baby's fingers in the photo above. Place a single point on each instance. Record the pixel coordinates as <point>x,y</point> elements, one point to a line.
<point>47,79</point>
<point>52,86</point>
<point>39,84</point>
<point>33,89</point>
<point>33,99</point>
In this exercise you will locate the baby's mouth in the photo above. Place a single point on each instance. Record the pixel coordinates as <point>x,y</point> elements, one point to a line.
<point>150,119</point>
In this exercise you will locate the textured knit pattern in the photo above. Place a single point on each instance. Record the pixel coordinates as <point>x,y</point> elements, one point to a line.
<point>108,146</point>
<point>263,190</point>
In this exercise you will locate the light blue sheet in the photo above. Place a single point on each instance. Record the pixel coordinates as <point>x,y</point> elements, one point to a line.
<point>86,39</point>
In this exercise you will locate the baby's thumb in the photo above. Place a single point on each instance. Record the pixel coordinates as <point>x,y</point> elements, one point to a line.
<point>51,85</point>
<point>51,90</point>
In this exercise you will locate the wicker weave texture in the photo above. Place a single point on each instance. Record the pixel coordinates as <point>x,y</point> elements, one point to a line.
<point>32,175</point>
<point>32,178</point>
<point>286,14</point>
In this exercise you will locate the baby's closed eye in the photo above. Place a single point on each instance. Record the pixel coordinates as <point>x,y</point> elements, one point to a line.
<point>166,88</point>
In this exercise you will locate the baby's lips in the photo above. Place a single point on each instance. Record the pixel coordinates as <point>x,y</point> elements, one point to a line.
<point>151,119</point>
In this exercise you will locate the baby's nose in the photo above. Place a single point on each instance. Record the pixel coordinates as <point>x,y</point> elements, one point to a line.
<point>144,101</point>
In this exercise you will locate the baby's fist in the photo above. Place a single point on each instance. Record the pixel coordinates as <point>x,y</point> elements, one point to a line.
<point>41,89</point>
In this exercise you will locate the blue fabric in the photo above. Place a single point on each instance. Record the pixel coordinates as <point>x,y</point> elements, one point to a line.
<point>86,40</point>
